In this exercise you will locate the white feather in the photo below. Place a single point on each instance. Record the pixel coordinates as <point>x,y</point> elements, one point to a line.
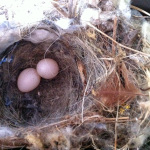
<point>138,141</point>
<point>6,132</point>
<point>90,15</point>
<point>105,16</point>
<point>146,30</point>
<point>9,34</point>
<point>124,7</point>
<point>93,2</point>
<point>64,23</point>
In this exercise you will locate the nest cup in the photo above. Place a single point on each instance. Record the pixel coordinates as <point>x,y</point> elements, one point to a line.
<point>52,99</point>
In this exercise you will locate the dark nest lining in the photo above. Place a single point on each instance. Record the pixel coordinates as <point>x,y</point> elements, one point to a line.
<point>52,99</point>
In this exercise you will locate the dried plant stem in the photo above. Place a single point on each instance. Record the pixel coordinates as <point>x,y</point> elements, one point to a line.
<point>10,143</point>
<point>71,120</point>
<point>123,46</point>
<point>139,43</point>
<point>60,10</point>
<point>94,145</point>
<point>53,124</point>
<point>116,123</point>
<point>72,5</point>
<point>114,37</point>
<point>103,119</point>
<point>83,100</point>
<point>141,10</point>
<point>121,118</point>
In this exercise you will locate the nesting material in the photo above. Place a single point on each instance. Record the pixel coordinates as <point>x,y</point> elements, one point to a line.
<point>64,23</point>
<point>124,7</point>
<point>145,30</point>
<point>101,78</point>
<point>90,15</point>
<point>9,34</point>
<point>6,132</point>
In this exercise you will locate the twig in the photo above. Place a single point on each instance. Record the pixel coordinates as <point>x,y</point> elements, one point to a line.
<point>139,43</point>
<point>72,120</point>
<point>121,118</point>
<point>141,10</point>
<point>116,127</point>
<point>145,17</point>
<point>114,37</point>
<point>16,142</point>
<point>70,10</point>
<point>103,119</point>
<point>53,124</point>
<point>60,10</point>
<point>123,46</point>
<point>94,145</point>
<point>72,4</point>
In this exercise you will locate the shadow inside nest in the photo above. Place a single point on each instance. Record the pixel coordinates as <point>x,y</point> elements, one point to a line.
<point>52,99</point>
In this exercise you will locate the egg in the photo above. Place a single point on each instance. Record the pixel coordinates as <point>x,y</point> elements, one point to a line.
<point>47,68</point>
<point>28,80</point>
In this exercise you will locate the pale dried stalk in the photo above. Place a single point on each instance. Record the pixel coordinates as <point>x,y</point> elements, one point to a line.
<point>114,37</point>
<point>116,123</point>
<point>141,10</point>
<point>59,9</point>
<point>83,100</point>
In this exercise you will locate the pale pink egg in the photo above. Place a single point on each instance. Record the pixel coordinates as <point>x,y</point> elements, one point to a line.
<point>28,80</point>
<point>47,68</point>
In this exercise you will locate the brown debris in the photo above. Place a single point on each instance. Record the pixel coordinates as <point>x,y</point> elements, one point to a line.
<point>14,142</point>
<point>119,87</point>
<point>82,72</point>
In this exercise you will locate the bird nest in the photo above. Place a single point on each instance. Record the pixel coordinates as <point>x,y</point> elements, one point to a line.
<point>82,94</point>
<point>93,102</point>
<point>53,100</point>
